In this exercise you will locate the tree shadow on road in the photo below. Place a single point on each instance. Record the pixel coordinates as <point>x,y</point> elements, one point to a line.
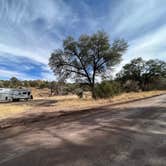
<point>104,136</point>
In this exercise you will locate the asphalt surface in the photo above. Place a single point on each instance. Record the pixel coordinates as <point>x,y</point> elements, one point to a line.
<point>132,134</point>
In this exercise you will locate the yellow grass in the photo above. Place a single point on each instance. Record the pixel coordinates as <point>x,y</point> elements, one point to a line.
<point>135,95</point>
<point>10,110</point>
<point>38,93</point>
<point>70,102</point>
<point>76,103</point>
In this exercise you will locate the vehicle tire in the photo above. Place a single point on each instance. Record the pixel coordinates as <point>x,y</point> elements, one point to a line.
<point>31,97</point>
<point>16,100</point>
<point>11,100</point>
<point>6,98</point>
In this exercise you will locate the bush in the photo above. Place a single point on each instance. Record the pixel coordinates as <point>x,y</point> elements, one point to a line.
<point>107,89</point>
<point>131,86</point>
<point>160,83</point>
<point>157,84</point>
<point>1,84</point>
<point>79,92</point>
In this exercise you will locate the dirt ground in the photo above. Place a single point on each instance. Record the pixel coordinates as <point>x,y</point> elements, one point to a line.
<point>64,103</point>
<point>131,134</point>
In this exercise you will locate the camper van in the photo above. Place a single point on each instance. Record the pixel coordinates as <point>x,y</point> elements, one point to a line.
<point>9,94</point>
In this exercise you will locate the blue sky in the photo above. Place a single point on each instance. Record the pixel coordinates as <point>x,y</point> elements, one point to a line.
<point>31,29</point>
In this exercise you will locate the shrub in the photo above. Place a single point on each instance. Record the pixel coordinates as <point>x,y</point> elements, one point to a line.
<point>107,89</point>
<point>131,85</point>
<point>158,84</point>
<point>1,84</point>
<point>79,92</point>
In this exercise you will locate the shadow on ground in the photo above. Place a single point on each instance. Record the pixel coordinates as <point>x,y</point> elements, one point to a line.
<point>35,103</point>
<point>104,136</point>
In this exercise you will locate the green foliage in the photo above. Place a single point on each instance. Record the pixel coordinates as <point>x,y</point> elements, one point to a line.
<point>132,71</point>
<point>5,84</point>
<point>145,73</point>
<point>86,57</point>
<point>1,84</point>
<point>56,88</point>
<point>155,71</point>
<point>79,92</point>
<point>14,82</point>
<point>107,89</point>
<point>131,86</point>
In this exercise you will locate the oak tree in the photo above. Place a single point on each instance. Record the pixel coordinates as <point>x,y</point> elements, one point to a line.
<point>86,58</point>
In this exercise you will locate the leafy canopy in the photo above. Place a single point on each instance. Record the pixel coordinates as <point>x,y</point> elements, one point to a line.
<point>87,57</point>
<point>144,72</point>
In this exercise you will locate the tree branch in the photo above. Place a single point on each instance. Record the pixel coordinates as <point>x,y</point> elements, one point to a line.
<point>101,64</point>
<point>83,66</point>
<point>77,72</point>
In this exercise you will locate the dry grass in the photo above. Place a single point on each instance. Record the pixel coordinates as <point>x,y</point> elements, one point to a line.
<point>67,103</point>
<point>76,103</point>
<point>135,95</point>
<point>38,93</point>
<point>10,110</point>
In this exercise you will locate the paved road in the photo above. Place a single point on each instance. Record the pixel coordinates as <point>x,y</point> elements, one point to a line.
<point>131,134</point>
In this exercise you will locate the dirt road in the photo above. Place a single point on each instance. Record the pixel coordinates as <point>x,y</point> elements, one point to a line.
<point>132,134</point>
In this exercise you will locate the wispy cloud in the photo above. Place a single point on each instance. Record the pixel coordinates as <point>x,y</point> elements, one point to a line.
<point>138,15</point>
<point>31,29</point>
<point>26,24</point>
<point>151,45</point>
<point>5,74</point>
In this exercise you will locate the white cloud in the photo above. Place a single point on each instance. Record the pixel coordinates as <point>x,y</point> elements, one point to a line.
<point>149,46</point>
<point>21,52</point>
<point>19,75</point>
<point>49,76</point>
<point>33,28</point>
<point>137,14</point>
<point>25,11</point>
<point>21,32</point>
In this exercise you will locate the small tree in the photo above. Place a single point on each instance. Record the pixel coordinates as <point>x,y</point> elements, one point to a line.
<point>86,58</point>
<point>145,73</point>
<point>154,71</point>
<point>14,82</point>
<point>132,71</point>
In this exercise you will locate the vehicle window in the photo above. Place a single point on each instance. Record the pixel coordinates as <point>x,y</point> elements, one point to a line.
<point>24,93</point>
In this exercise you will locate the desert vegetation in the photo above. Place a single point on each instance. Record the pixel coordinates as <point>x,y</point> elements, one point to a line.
<point>89,62</point>
<point>138,75</point>
<point>88,57</point>
<point>66,103</point>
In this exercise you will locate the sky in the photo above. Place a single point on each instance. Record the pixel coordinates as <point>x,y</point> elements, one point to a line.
<point>30,30</point>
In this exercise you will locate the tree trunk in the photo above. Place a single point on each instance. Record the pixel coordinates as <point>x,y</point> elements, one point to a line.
<point>93,91</point>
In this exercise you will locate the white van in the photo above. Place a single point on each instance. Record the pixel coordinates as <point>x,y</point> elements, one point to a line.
<point>9,94</point>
